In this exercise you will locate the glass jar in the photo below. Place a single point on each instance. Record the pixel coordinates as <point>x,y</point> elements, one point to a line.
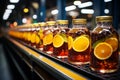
<point>79,44</point>
<point>60,42</point>
<point>41,35</point>
<point>48,37</point>
<point>33,35</point>
<point>104,55</point>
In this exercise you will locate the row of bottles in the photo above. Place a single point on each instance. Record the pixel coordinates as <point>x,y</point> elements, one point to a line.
<point>98,47</point>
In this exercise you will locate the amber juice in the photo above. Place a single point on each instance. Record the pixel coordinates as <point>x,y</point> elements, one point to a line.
<point>79,43</point>
<point>104,55</point>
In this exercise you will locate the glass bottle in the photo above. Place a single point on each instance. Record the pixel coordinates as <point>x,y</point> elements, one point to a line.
<point>79,44</point>
<point>60,42</point>
<point>104,55</point>
<point>48,37</point>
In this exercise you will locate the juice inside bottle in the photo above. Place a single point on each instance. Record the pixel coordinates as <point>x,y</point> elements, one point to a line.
<point>33,35</point>
<point>48,37</point>
<point>104,55</point>
<point>41,35</point>
<point>60,42</point>
<point>79,43</point>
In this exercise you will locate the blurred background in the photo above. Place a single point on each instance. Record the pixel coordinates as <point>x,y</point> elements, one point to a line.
<point>18,12</point>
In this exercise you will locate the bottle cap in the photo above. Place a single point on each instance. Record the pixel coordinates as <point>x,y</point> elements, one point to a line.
<point>51,23</point>
<point>104,19</point>
<point>62,21</point>
<point>42,24</point>
<point>79,21</point>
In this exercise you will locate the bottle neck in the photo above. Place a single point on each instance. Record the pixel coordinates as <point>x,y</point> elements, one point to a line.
<point>104,24</point>
<point>62,26</point>
<point>79,25</point>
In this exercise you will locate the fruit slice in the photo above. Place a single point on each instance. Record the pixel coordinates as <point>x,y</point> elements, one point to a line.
<point>58,41</point>
<point>33,38</point>
<point>70,42</point>
<point>113,42</point>
<point>37,39</point>
<point>81,44</point>
<point>29,35</point>
<point>48,39</point>
<point>103,50</point>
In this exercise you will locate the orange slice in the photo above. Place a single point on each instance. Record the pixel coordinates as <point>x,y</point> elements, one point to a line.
<point>48,39</point>
<point>33,38</point>
<point>40,33</point>
<point>37,39</point>
<point>70,42</point>
<point>103,50</point>
<point>81,44</point>
<point>29,36</point>
<point>113,42</point>
<point>58,41</point>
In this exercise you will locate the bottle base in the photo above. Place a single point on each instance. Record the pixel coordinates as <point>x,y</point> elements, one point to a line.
<point>62,56</point>
<point>104,70</point>
<point>78,63</point>
<point>41,49</point>
<point>49,52</point>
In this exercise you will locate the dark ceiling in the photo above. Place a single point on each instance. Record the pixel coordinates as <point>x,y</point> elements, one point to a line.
<point>19,8</point>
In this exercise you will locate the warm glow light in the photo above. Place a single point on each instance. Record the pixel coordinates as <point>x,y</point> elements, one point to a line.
<point>53,12</point>
<point>11,6</point>
<point>86,4</point>
<point>106,11</point>
<point>69,8</point>
<point>107,0</point>
<point>14,1</point>
<point>77,2</point>
<point>87,11</point>
<point>26,10</point>
<point>15,23</point>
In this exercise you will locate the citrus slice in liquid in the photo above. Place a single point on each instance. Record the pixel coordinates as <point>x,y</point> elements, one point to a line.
<point>48,39</point>
<point>70,42</point>
<point>29,35</point>
<point>113,42</point>
<point>37,39</point>
<point>33,38</point>
<point>81,44</point>
<point>58,41</point>
<point>103,50</point>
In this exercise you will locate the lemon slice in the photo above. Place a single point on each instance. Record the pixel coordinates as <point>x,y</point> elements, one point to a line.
<point>103,51</point>
<point>113,42</point>
<point>58,41</point>
<point>81,44</point>
<point>70,42</point>
<point>48,39</point>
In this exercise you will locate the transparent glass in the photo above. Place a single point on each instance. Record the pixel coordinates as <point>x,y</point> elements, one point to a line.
<point>60,42</point>
<point>47,39</point>
<point>79,44</point>
<point>104,55</point>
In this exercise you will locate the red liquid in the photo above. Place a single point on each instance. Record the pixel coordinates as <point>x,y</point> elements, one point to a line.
<point>108,65</point>
<point>79,58</point>
<point>61,52</point>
